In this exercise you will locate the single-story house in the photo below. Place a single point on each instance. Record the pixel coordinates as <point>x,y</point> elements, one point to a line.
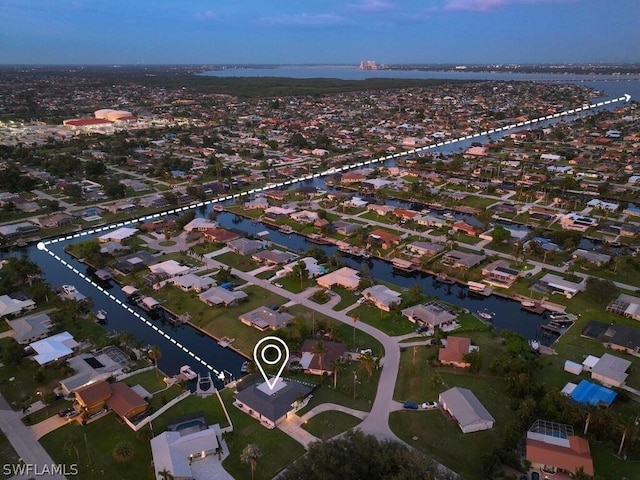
<point>382,297</point>
<point>454,350</point>
<point>264,318</point>
<point>220,296</point>
<point>273,257</point>
<point>183,454</point>
<point>220,235</point>
<point>431,314</point>
<point>457,259</point>
<point>553,447</point>
<point>55,220</point>
<point>54,348</point>
<point>465,407</point>
<point>271,405</point>
<point>590,393</point>
<point>560,285</point>
<point>14,306</point>
<point>193,282</point>
<point>200,224</point>
<point>425,248</point>
<point>304,216</point>
<point>118,235</point>
<point>345,228</point>
<point>596,258</point>
<point>610,370</point>
<point>382,238</point>
<point>625,305</point>
<point>316,364</point>
<point>245,246</point>
<point>170,268</point>
<point>311,264</point>
<point>343,277</point>
<point>31,328</point>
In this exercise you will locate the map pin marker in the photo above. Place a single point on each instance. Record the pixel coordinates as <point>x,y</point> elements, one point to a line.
<point>260,352</point>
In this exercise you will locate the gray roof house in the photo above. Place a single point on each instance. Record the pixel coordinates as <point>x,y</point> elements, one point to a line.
<point>431,314</point>
<point>264,318</point>
<point>244,246</point>
<point>29,329</point>
<point>465,407</point>
<point>191,281</point>
<point>271,406</point>
<point>458,259</point>
<point>221,296</point>
<point>610,370</point>
<point>382,297</point>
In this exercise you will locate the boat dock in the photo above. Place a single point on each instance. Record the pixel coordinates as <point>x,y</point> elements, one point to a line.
<point>224,342</point>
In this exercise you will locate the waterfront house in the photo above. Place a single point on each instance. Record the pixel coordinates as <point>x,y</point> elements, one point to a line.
<point>499,274</point>
<point>118,236</point>
<point>466,409</point>
<point>556,284</point>
<point>273,257</point>
<point>382,297</point>
<point>430,314</point>
<point>344,277</point>
<point>200,224</point>
<point>58,219</point>
<point>271,405</point>
<point>244,246</point>
<point>382,238</point>
<point>216,296</point>
<point>192,282</point>
<point>345,228</point>
<point>220,235</point>
<point>425,249</point>
<point>458,259</point>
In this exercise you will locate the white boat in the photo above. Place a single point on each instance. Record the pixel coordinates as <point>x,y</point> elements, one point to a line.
<point>69,290</point>
<point>528,303</point>
<point>101,316</point>
<point>487,315</point>
<point>245,367</point>
<point>186,372</point>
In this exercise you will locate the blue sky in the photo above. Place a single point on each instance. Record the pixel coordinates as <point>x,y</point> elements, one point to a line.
<point>318,31</point>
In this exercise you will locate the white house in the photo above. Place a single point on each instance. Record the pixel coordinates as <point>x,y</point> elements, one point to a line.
<point>464,406</point>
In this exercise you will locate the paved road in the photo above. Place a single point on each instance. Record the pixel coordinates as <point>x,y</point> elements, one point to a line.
<point>24,441</point>
<point>377,422</point>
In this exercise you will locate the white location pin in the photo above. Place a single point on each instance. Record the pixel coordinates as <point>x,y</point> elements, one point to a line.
<point>282,357</point>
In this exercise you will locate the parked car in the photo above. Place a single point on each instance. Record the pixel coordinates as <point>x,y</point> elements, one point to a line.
<point>362,300</point>
<point>65,412</point>
<point>429,405</point>
<point>411,405</point>
<point>366,351</point>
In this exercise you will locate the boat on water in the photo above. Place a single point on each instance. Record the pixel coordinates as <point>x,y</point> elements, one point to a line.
<point>69,290</point>
<point>448,215</point>
<point>101,316</point>
<point>486,314</point>
<point>528,303</point>
<point>187,373</point>
<point>443,278</point>
<point>245,367</point>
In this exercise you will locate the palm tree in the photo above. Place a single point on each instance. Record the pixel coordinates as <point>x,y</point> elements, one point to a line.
<point>580,474</point>
<point>336,365</point>
<point>165,475</point>
<point>250,455</point>
<point>368,363</point>
<point>630,427</point>
<point>123,452</point>
<point>72,444</point>
<point>319,349</point>
<point>154,355</point>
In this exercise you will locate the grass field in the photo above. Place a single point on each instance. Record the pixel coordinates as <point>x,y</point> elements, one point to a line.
<point>327,425</point>
<point>239,262</point>
<point>93,456</point>
<point>388,322</point>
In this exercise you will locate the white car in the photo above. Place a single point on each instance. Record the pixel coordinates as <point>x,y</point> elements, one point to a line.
<point>362,300</point>
<point>429,405</point>
<point>366,351</point>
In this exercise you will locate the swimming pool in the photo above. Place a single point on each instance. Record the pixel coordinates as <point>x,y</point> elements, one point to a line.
<point>190,424</point>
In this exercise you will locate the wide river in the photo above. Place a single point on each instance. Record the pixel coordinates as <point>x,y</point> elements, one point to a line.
<point>508,313</point>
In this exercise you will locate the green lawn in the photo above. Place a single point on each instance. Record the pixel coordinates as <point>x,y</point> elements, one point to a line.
<point>436,434</point>
<point>210,406</point>
<point>48,411</point>
<point>278,449</point>
<point>223,321</point>
<point>239,262</point>
<point>327,425</point>
<point>7,454</point>
<point>391,323</point>
<point>150,380</point>
<point>94,451</point>
<point>347,298</point>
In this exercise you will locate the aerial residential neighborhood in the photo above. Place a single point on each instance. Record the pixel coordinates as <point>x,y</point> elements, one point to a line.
<point>476,302</point>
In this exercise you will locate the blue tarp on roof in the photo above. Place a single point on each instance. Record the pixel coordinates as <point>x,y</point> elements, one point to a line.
<point>593,394</point>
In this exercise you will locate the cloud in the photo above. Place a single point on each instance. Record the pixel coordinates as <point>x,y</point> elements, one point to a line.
<point>321,20</point>
<point>206,15</point>
<point>375,7</point>
<point>490,5</point>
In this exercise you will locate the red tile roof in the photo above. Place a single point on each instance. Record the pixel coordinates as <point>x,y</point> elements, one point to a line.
<point>456,348</point>
<point>569,458</point>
